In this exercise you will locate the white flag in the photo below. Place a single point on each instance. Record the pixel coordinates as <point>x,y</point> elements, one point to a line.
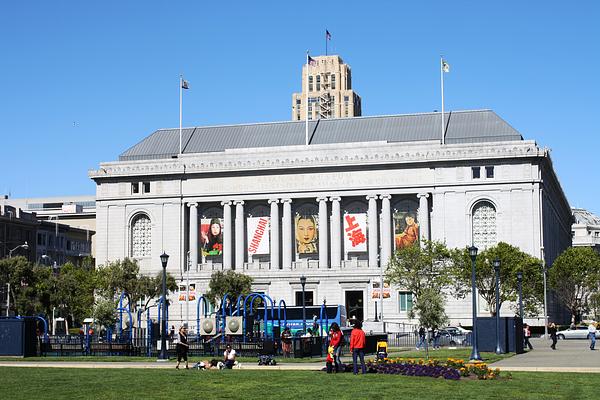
<point>445,66</point>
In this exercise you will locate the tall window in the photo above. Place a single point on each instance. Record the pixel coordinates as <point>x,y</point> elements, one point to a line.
<point>333,81</point>
<point>141,236</point>
<point>405,300</point>
<point>318,82</point>
<point>484,225</point>
<point>310,83</point>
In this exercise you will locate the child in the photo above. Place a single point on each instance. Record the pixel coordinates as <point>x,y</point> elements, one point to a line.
<point>329,360</point>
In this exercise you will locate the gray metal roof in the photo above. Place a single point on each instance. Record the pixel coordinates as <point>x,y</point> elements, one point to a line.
<point>461,127</point>
<point>585,217</point>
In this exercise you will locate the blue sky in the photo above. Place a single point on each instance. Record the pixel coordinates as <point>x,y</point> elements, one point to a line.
<point>80,82</point>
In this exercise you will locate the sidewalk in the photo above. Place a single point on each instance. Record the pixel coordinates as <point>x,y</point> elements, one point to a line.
<point>569,356</point>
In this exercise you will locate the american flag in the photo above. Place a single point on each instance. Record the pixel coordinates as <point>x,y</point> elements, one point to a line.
<point>312,61</point>
<point>327,35</point>
<point>185,84</point>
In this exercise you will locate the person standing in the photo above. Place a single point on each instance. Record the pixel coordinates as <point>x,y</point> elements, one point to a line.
<point>336,340</point>
<point>526,336</point>
<point>358,341</point>
<point>182,347</point>
<point>421,342</point>
<point>286,342</point>
<point>592,335</point>
<point>552,332</point>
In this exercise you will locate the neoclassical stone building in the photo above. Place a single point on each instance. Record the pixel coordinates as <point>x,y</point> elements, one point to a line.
<point>256,199</point>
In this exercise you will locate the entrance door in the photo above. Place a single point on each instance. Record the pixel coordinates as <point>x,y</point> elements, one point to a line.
<point>355,304</point>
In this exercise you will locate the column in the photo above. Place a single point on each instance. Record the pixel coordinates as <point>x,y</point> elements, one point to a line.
<point>286,228</point>
<point>239,235</point>
<point>275,264</point>
<point>423,216</point>
<point>386,229</point>
<point>227,248</point>
<point>336,233</point>
<point>372,231</point>
<point>323,236</point>
<point>193,261</point>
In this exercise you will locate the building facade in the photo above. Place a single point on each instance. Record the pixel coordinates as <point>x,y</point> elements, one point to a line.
<point>255,199</point>
<point>586,229</point>
<point>327,83</point>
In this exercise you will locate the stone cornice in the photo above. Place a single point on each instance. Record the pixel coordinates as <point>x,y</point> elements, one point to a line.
<point>315,156</point>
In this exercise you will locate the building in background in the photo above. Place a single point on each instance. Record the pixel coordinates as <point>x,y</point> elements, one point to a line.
<point>17,228</point>
<point>586,229</point>
<point>256,199</point>
<point>77,212</point>
<point>330,93</point>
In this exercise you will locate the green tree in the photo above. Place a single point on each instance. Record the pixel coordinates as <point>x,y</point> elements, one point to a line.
<point>431,309</point>
<point>512,260</point>
<point>232,283</point>
<point>74,292</point>
<point>123,276</point>
<point>105,313</point>
<point>421,270</point>
<point>574,278</point>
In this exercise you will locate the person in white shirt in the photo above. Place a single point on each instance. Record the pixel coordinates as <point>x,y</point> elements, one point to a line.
<point>229,357</point>
<point>592,335</point>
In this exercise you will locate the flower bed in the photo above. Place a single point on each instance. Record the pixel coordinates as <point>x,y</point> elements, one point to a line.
<point>450,369</point>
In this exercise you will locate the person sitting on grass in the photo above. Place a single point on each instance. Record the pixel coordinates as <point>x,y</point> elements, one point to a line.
<point>229,357</point>
<point>329,360</point>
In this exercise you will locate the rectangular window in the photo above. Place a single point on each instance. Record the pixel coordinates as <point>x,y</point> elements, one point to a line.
<point>146,187</point>
<point>406,301</point>
<point>39,239</point>
<point>489,172</point>
<point>310,83</point>
<point>476,172</point>
<point>318,82</point>
<point>308,299</point>
<point>298,101</point>
<point>135,188</point>
<point>333,81</point>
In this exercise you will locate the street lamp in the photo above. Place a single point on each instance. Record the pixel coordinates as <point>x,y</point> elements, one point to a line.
<point>24,246</point>
<point>545,272</point>
<point>164,259</point>
<point>475,352</point>
<point>303,283</point>
<point>497,269</point>
<point>520,282</point>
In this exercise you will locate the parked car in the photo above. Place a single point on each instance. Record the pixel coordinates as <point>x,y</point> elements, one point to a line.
<point>580,332</point>
<point>451,336</point>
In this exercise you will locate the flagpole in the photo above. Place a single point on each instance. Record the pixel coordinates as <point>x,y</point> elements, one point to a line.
<point>442,83</point>
<point>180,112</point>
<point>306,119</point>
<point>325,41</point>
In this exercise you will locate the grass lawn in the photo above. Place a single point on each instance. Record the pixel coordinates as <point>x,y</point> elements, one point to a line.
<point>58,383</point>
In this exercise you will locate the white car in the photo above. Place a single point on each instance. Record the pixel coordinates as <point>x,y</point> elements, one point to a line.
<point>580,332</point>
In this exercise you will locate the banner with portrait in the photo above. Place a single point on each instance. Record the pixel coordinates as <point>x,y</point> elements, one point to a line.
<point>183,292</point>
<point>355,233</point>
<point>258,229</point>
<point>406,229</point>
<point>211,236</point>
<point>306,229</point>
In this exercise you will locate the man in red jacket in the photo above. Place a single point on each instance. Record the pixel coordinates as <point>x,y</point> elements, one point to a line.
<point>357,347</point>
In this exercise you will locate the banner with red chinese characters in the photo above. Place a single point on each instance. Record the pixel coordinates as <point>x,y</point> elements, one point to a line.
<point>258,235</point>
<point>355,233</point>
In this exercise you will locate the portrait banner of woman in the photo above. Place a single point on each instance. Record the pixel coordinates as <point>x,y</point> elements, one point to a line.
<point>211,236</point>
<point>306,234</point>
<point>406,229</point>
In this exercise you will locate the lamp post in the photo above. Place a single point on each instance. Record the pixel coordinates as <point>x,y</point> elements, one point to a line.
<point>520,283</point>
<point>303,283</point>
<point>544,271</point>
<point>164,259</point>
<point>497,269</point>
<point>475,352</point>
<point>24,246</point>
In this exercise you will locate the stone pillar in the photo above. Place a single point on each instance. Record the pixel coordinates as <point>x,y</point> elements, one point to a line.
<point>323,236</point>
<point>227,247</point>
<point>239,234</point>
<point>372,231</point>
<point>275,264</point>
<point>386,229</point>
<point>423,216</point>
<point>193,261</point>
<point>336,233</point>
<point>286,228</point>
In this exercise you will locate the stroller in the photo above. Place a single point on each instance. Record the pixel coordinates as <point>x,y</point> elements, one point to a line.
<point>382,348</point>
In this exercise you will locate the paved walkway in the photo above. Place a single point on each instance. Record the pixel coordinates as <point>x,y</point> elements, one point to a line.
<point>569,356</point>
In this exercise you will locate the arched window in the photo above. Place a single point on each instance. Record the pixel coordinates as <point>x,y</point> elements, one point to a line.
<point>141,236</point>
<point>484,225</point>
